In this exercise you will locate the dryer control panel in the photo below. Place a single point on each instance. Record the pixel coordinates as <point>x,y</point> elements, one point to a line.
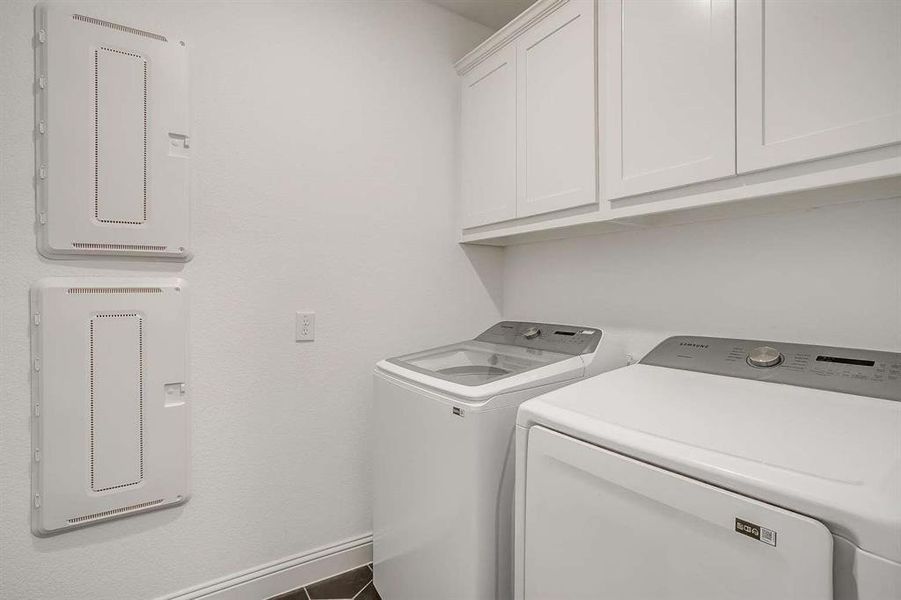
<point>847,370</point>
<point>566,339</point>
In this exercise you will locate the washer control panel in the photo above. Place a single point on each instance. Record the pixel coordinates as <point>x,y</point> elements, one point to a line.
<point>566,339</point>
<point>847,370</point>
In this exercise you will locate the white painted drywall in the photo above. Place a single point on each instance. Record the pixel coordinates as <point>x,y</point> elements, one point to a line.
<point>490,13</point>
<point>324,178</point>
<point>828,276</point>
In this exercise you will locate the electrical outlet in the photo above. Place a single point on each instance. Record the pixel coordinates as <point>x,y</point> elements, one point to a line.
<point>305,327</point>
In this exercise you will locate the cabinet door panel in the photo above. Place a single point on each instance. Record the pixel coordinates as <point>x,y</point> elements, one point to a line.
<point>489,140</point>
<point>816,79</point>
<point>556,122</point>
<point>670,93</point>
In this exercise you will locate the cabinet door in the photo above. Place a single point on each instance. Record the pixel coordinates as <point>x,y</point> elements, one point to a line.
<point>489,140</point>
<point>556,121</point>
<point>670,93</point>
<point>816,79</point>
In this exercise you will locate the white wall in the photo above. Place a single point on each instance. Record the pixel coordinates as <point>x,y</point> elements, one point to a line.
<point>828,276</point>
<point>324,178</point>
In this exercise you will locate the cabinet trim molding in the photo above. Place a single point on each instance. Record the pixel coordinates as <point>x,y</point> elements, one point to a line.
<point>869,175</point>
<point>507,34</point>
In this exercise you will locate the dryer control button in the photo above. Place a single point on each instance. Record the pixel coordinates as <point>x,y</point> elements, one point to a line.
<point>765,356</point>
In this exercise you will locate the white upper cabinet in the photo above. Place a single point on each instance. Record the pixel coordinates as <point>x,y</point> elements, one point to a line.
<point>670,93</point>
<point>529,127</point>
<point>816,79</point>
<point>556,111</point>
<point>658,107</point>
<point>489,140</point>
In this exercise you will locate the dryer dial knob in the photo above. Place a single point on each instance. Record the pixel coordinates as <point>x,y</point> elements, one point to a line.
<point>531,333</point>
<point>765,356</point>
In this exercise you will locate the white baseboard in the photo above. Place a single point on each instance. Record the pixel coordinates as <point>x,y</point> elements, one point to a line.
<point>278,577</point>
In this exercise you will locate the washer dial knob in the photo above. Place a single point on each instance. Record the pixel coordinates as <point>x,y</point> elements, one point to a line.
<point>764,356</point>
<point>531,333</point>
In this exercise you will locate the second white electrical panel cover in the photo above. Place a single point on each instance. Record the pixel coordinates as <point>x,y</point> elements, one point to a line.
<point>111,419</point>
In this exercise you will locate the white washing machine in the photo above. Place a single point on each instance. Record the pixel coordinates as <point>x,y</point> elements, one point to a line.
<point>444,469</point>
<point>715,469</point>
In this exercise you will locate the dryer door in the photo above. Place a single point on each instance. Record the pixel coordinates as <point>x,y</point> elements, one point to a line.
<point>600,525</point>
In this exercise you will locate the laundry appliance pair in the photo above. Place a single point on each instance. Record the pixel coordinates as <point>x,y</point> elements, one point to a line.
<point>715,468</point>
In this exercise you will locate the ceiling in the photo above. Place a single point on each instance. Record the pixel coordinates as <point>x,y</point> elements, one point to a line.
<point>491,13</point>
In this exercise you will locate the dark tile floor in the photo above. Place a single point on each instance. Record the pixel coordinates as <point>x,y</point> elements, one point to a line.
<point>355,584</point>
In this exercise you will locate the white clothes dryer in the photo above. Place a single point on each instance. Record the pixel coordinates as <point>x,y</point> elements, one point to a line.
<point>716,469</point>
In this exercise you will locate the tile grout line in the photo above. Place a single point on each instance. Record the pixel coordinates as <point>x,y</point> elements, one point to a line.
<point>363,589</point>
<point>370,581</point>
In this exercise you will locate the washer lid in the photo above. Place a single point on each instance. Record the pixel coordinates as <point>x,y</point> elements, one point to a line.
<point>476,363</point>
<point>474,372</point>
<point>829,455</point>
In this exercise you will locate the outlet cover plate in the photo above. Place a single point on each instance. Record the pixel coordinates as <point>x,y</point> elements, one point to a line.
<point>305,326</point>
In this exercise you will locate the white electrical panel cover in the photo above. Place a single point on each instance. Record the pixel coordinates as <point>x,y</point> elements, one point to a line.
<point>112,135</point>
<point>111,419</point>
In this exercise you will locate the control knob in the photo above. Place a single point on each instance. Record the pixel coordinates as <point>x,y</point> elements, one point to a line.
<point>531,333</point>
<point>764,356</point>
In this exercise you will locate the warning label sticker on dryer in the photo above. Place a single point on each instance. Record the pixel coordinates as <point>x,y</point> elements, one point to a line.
<point>752,530</point>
